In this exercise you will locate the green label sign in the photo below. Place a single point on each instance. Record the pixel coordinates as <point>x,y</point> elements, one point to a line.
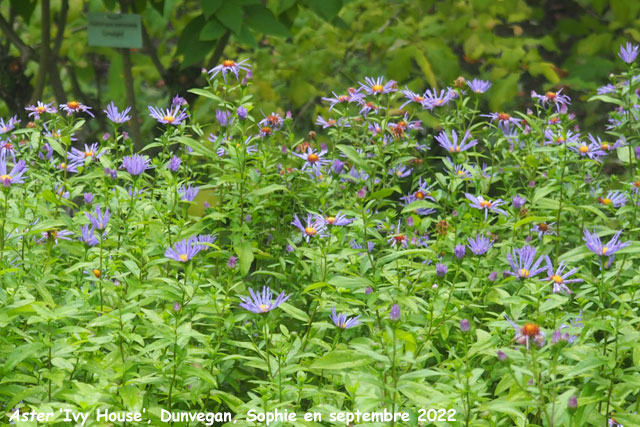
<point>115,30</point>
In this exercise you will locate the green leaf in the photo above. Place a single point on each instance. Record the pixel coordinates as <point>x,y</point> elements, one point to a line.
<point>326,9</point>
<point>294,312</point>
<point>245,256</point>
<point>383,193</point>
<point>212,30</point>
<point>262,20</point>
<point>341,359</point>
<point>209,7</point>
<point>607,99</point>
<point>353,156</point>
<point>419,204</point>
<point>189,44</point>
<point>530,219</point>
<point>426,68</point>
<point>230,14</point>
<point>623,154</point>
<point>268,190</point>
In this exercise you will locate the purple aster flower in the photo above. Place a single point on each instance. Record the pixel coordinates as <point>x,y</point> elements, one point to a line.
<point>422,192</point>
<point>342,321</point>
<point>339,219</point>
<point>377,86</point>
<point>352,96</point>
<point>560,100</point>
<point>628,53</point>
<point>242,112</point>
<point>262,303</point>
<point>111,173</point>
<point>560,137</point>
<point>459,251</point>
<point>116,116</point>
<point>54,235</point>
<point>493,276</point>
<point>528,332</point>
<point>87,236</point>
<point>337,166</point>
<point>479,86</point>
<point>224,117</point>
<point>398,238</point>
<point>460,171</point>
<point>559,335</point>
<point>411,97</point>
<point>13,177</point>
<point>465,326</point>
<point>229,66</point>
<point>72,107</point>
<point>315,226</point>
<point>232,262</point>
<point>135,164</point>
<point>188,193</point>
<point>71,167</point>
<point>61,191</point>
<point>88,198</point>
<point>273,120</point>
<point>313,159</point>
<point>99,219</point>
<point>441,270</point>
<point>480,245</point>
<point>594,244</point>
<point>8,125</point>
<point>543,229</point>
<point>573,402</point>
<point>518,202</point>
<point>522,263</point>
<point>178,100</point>
<point>174,163</point>
<point>395,312</point>
<point>400,171</point>
<point>90,152</point>
<point>173,116</point>
<point>41,108</point>
<point>613,198</point>
<point>502,356</point>
<point>183,250</point>
<point>503,120</point>
<point>609,88</point>
<point>558,278</point>
<point>486,205</point>
<point>452,144</point>
<point>433,99</point>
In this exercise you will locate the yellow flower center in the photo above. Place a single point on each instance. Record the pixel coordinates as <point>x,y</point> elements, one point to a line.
<point>40,109</point>
<point>604,250</point>
<point>63,165</point>
<point>88,154</point>
<point>530,329</point>
<point>605,146</point>
<point>266,130</point>
<point>439,101</point>
<point>377,88</point>
<point>310,231</point>
<point>312,158</point>
<point>97,273</point>
<point>524,272</point>
<point>5,178</point>
<point>503,117</point>
<point>460,172</point>
<point>419,195</point>
<point>264,308</point>
<point>606,201</point>
<point>183,257</point>
<point>228,63</point>
<point>485,204</point>
<point>583,149</point>
<point>556,278</point>
<point>418,99</point>
<point>550,95</point>
<point>330,219</point>
<point>399,238</point>
<point>399,173</point>
<point>74,105</point>
<point>169,119</point>
<point>560,140</point>
<point>342,325</point>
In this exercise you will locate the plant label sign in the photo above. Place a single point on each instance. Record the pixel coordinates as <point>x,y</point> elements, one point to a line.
<point>115,30</point>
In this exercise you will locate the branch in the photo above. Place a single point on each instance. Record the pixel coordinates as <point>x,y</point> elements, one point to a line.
<point>217,53</point>
<point>54,71</point>
<point>148,46</point>
<point>44,51</point>
<point>128,84</point>
<point>26,51</point>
